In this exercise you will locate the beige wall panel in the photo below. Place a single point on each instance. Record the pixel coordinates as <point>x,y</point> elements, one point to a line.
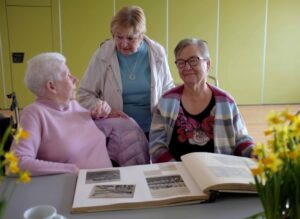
<point>29,2</point>
<point>2,91</point>
<point>241,49</point>
<point>85,24</point>
<point>32,35</point>
<point>192,18</point>
<point>5,77</point>
<point>283,51</point>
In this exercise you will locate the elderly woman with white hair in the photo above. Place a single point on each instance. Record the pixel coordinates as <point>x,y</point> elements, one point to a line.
<point>63,136</point>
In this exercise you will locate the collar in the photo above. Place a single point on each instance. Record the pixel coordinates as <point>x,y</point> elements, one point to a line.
<point>52,104</point>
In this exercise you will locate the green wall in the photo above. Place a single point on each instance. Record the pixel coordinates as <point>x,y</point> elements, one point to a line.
<point>282,75</point>
<point>254,44</point>
<point>241,43</point>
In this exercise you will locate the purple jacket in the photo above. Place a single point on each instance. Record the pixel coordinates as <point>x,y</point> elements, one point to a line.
<point>127,144</point>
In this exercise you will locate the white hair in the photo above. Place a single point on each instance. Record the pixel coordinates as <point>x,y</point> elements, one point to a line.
<point>42,68</point>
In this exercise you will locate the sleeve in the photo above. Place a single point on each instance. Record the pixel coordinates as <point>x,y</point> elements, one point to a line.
<point>244,142</point>
<point>27,149</point>
<point>159,151</point>
<point>90,88</point>
<point>127,144</point>
<point>168,82</point>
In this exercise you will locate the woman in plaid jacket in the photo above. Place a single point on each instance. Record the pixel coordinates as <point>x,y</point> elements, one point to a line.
<point>196,116</point>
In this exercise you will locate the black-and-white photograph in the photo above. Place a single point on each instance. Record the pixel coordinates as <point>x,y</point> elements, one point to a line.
<point>102,176</point>
<point>163,186</point>
<point>112,191</point>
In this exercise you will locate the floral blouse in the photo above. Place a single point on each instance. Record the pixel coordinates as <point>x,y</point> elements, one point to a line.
<point>193,133</point>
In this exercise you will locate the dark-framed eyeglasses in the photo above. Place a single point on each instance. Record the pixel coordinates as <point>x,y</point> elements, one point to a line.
<point>193,61</point>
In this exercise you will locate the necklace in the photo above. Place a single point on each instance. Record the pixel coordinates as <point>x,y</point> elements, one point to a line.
<point>131,74</point>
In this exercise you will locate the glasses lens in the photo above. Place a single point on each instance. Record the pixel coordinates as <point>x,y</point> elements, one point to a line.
<point>193,61</point>
<point>129,38</point>
<point>180,63</point>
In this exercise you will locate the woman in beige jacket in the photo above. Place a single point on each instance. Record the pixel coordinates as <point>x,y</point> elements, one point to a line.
<point>127,74</point>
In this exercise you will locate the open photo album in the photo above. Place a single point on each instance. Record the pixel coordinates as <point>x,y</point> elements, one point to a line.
<point>164,184</point>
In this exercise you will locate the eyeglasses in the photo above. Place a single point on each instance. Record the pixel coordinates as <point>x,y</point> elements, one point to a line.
<point>193,61</point>
<point>128,39</point>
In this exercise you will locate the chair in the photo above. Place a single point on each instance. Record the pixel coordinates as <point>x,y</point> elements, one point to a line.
<point>11,121</point>
<point>216,82</point>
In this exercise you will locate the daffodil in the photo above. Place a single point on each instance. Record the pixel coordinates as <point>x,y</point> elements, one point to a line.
<point>293,155</point>
<point>259,170</point>
<point>273,162</point>
<point>260,150</point>
<point>274,118</point>
<point>20,134</point>
<point>24,177</point>
<point>269,131</point>
<point>10,157</point>
<point>13,168</point>
<point>296,125</point>
<point>287,115</point>
<point>11,163</point>
<point>277,174</point>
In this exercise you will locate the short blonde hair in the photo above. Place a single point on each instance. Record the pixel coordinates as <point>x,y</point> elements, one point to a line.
<point>131,19</point>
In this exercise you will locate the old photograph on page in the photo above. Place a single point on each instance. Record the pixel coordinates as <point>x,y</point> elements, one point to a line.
<point>102,176</point>
<point>134,186</point>
<point>164,186</point>
<point>113,191</point>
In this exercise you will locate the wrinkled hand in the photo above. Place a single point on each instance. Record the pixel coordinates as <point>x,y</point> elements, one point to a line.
<point>100,110</point>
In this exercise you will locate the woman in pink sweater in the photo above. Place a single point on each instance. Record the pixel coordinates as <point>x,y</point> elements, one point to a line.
<point>63,137</point>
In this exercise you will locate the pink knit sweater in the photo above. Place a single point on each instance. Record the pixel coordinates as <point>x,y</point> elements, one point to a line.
<point>62,139</point>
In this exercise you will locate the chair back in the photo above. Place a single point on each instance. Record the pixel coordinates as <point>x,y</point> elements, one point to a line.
<point>214,79</point>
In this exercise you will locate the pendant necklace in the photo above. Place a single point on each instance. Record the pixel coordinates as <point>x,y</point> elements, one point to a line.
<point>131,74</point>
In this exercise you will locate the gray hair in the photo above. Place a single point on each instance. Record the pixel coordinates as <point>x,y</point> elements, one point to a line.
<point>129,18</point>
<point>42,68</point>
<point>201,44</point>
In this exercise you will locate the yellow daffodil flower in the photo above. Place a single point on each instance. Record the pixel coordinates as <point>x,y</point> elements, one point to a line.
<point>24,177</point>
<point>13,168</point>
<point>274,118</point>
<point>287,116</point>
<point>293,155</point>
<point>296,126</point>
<point>269,131</point>
<point>258,171</point>
<point>10,157</point>
<point>278,165</point>
<point>259,150</point>
<point>20,134</point>
<point>273,162</point>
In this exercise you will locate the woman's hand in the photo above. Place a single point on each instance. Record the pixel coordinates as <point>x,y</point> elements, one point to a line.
<point>100,110</point>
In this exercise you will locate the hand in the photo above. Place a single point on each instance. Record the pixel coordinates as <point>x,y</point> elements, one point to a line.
<point>100,110</point>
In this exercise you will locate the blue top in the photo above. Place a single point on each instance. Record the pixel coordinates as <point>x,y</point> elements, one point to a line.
<point>136,82</point>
